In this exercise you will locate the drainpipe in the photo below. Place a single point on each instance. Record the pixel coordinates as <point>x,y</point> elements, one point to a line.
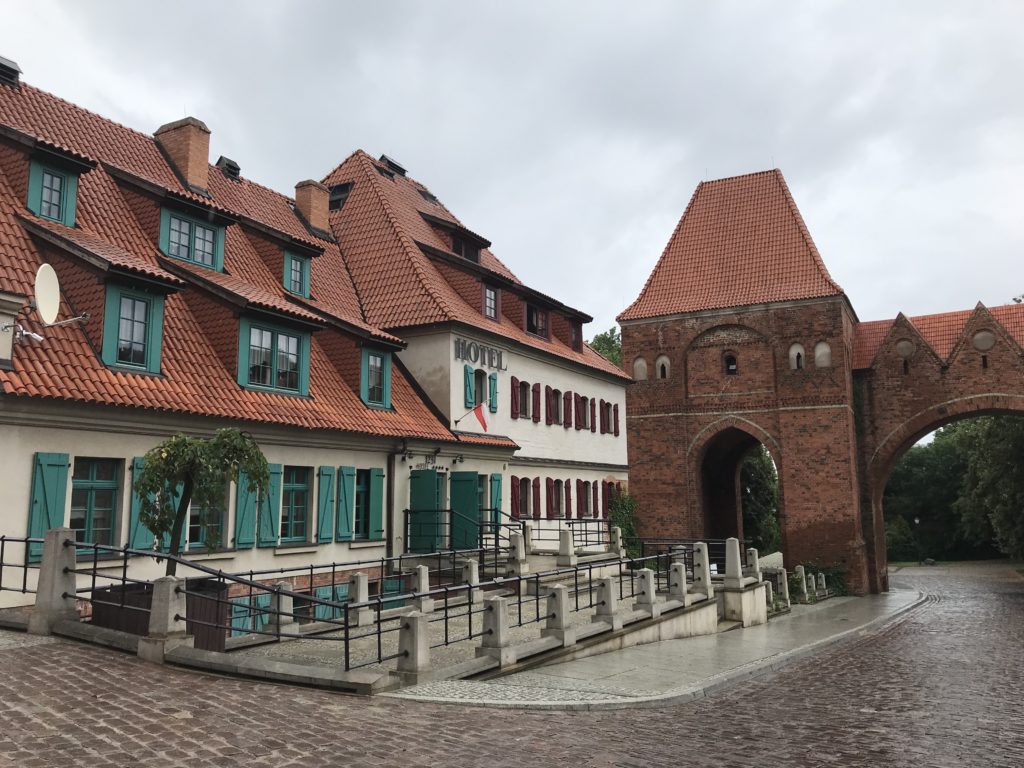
<point>393,523</point>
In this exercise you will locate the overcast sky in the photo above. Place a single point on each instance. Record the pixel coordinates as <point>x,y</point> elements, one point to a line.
<point>573,134</point>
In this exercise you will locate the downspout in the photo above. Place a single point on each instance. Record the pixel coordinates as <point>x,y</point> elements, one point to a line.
<point>393,522</point>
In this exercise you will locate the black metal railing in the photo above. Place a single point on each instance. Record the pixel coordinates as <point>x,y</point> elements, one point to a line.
<point>684,548</point>
<point>587,532</point>
<point>17,569</point>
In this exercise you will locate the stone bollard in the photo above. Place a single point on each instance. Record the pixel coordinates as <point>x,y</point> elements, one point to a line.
<point>733,565</point>
<point>557,623</point>
<point>753,569</point>
<point>615,543</point>
<point>677,587</point>
<point>528,537</point>
<point>517,563</point>
<point>423,604</point>
<point>282,608</point>
<point>821,583</point>
<point>167,629</point>
<point>471,576</point>
<point>769,593</point>
<point>566,549</point>
<point>702,571</point>
<point>359,592</point>
<point>496,641</point>
<point>414,647</point>
<point>647,594</point>
<point>801,577</point>
<point>784,586</point>
<point>55,589</point>
<point>607,604</point>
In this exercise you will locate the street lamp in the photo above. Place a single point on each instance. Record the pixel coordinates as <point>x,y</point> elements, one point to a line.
<point>917,539</point>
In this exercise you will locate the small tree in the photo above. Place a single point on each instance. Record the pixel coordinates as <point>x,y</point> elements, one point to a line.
<point>184,470</point>
<point>609,345</point>
<point>622,515</point>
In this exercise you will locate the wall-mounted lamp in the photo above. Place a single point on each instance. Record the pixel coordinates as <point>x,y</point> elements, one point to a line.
<point>457,460</point>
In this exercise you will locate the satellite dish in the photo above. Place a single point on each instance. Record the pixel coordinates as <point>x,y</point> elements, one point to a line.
<point>47,292</point>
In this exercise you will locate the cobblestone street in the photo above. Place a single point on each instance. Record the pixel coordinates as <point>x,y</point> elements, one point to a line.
<point>941,686</point>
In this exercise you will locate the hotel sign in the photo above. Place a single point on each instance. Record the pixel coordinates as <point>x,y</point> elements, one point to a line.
<point>479,354</point>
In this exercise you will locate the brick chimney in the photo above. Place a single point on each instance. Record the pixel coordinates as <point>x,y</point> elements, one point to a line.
<point>187,145</point>
<point>311,201</point>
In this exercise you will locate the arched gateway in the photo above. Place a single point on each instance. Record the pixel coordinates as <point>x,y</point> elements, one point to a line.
<point>762,346</point>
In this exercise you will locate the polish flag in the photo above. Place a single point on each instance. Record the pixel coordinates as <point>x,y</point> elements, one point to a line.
<point>481,415</point>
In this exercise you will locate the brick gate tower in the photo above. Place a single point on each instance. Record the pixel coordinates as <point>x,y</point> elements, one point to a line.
<point>740,337</point>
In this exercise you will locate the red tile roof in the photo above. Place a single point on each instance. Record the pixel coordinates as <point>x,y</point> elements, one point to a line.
<point>193,380</point>
<point>741,241</point>
<point>380,227</point>
<point>941,331</point>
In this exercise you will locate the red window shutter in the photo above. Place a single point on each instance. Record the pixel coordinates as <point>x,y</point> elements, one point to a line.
<point>604,424</point>
<point>515,398</point>
<point>567,410</point>
<point>550,483</point>
<point>593,415</point>
<point>606,489</point>
<point>568,499</point>
<point>549,417</point>
<point>514,512</point>
<point>615,411</point>
<point>536,403</point>
<point>577,408</point>
<point>595,510</point>
<point>536,497</point>
<point>580,499</point>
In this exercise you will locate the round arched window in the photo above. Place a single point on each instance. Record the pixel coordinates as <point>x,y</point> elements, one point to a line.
<point>732,366</point>
<point>822,355</point>
<point>640,369</point>
<point>796,357</point>
<point>662,367</point>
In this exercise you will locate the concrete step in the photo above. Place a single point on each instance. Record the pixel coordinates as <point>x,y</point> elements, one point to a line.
<point>726,626</point>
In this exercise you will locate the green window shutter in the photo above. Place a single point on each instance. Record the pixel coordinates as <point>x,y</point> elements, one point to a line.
<point>245,513</point>
<point>496,498</point>
<point>49,492</point>
<point>346,503</point>
<point>166,542</point>
<point>270,510</point>
<point>139,536</point>
<point>469,386</point>
<point>325,507</point>
<point>262,604</point>
<point>321,611</point>
<point>241,621</point>
<point>493,399</point>
<point>35,188</point>
<point>377,503</point>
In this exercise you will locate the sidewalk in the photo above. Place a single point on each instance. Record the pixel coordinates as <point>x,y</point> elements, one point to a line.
<point>674,670</point>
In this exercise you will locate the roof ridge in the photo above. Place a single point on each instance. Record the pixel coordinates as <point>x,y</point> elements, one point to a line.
<point>740,176</point>
<point>411,250</point>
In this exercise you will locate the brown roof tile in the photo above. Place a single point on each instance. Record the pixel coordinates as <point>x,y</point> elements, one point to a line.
<point>741,241</point>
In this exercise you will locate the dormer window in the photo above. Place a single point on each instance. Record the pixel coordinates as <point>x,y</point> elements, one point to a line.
<point>465,249</point>
<point>338,196</point>
<point>296,274</point>
<point>271,357</point>
<point>575,335</point>
<point>536,321</point>
<point>490,302</point>
<point>52,193</point>
<point>190,240</point>
<point>375,378</point>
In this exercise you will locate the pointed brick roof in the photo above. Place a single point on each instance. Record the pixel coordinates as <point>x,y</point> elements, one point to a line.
<point>741,241</point>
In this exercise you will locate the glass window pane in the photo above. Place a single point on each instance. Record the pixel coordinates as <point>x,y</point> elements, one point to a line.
<point>131,338</point>
<point>287,361</point>
<point>180,243</point>
<point>53,186</point>
<point>375,378</point>
<point>204,245</point>
<point>260,351</point>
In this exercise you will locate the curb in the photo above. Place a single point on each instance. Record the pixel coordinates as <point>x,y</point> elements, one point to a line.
<point>710,686</point>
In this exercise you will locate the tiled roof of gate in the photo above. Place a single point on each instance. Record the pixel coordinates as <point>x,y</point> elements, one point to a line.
<point>380,227</point>
<point>741,241</point>
<point>941,331</point>
<point>194,380</point>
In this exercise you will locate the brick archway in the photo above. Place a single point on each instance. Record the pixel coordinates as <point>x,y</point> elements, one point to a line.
<point>741,280</point>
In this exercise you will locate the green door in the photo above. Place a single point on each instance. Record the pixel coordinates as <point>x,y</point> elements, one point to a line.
<point>424,511</point>
<point>465,510</point>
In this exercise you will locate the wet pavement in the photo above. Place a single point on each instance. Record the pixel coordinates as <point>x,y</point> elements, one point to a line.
<point>939,686</point>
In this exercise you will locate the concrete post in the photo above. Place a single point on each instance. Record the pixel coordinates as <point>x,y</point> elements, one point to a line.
<point>557,623</point>
<point>359,592</point>
<point>769,593</point>
<point>647,594</point>
<point>801,577</point>
<point>166,620</point>
<point>528,537</point>
<point>821,583</point>
<point>677,587</point>
<point>733,565</point>
<point>753,568</point>
<point>281,608</point>
<point>517,564</point>
<point>784,586</point>
<point>702,571</point>
<point>471,576</point>
<point>55,581</point>
<point>414,647</point>
<point>422,604</point>
<point>607,603</point>
<point>566,549</point>
<point>615,543</point>
<point>496,641</point>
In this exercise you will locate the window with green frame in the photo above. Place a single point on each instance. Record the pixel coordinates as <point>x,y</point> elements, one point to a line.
<point>375,378</point>
<point>295,504</point>
<point>94,487</point>
<point>361,523</point>
<point>206,523</point>
<point>52,193</point>
<point>296,274</point>
<point>192,240</point>
<point>132,329</point>
<point>273,358</point>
